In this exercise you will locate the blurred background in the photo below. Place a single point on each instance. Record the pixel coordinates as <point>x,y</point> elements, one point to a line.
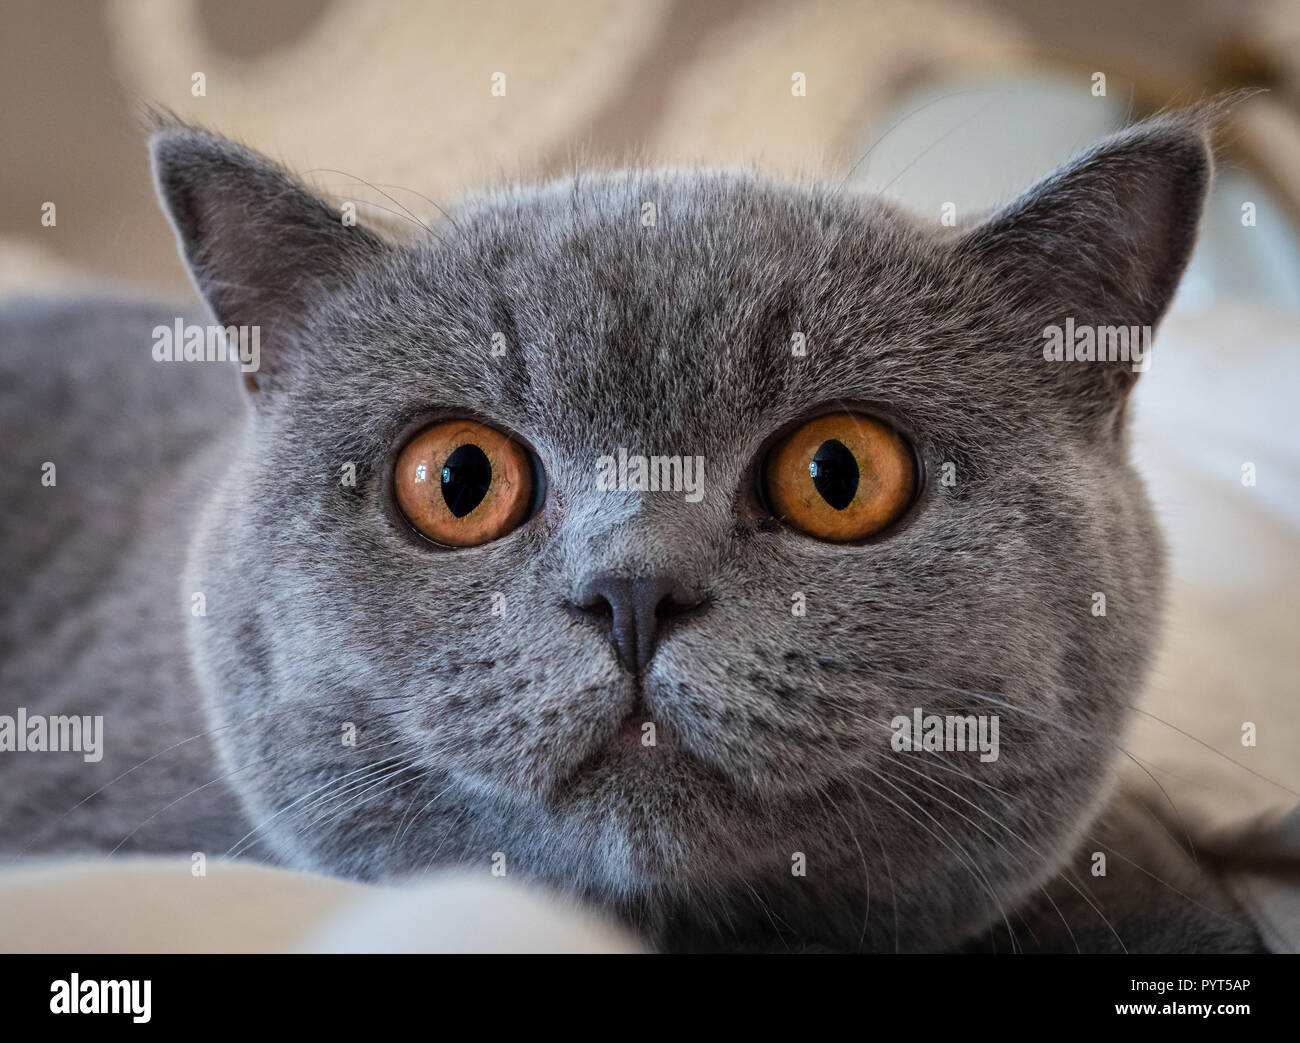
<point>390,103</point>
<point>397,92</point>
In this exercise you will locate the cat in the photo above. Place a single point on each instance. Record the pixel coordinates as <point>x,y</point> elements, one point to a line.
<point>683,712</point>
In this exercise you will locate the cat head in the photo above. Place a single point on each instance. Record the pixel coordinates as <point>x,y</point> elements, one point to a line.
<point>391,697</point>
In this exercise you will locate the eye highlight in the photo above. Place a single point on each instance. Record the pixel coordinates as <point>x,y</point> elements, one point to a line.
<point>841,478</point>
<point>462,483</point>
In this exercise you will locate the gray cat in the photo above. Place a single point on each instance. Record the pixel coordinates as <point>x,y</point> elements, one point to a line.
<point>685,710</point>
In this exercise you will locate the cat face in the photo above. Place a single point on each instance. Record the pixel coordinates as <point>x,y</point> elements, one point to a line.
<point>389,703</point>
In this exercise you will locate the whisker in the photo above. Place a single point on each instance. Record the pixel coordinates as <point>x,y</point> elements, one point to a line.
<point>410,214</point>
<point>1189,846</point>
<point>962,856</point>
<point>937,142</point>
<point>982,874</point>
<point>1076,734</point>
<point>443,842</point>
<point>1216,752</point>
<point>196,789</point>
<point>1065,878</point>
<point>450,220</point>
<point>235,849</point>
<point>767,911</point>
<point>402,831</point>
<point>1018,837</point>
<point>866,873</point>
<point>364,787</point>
<point>936,757</point>
<point>389,210</point>
<point>200,735</point>
<point>1166,883</point>
<point>866,156</point>
<point>885,857</point>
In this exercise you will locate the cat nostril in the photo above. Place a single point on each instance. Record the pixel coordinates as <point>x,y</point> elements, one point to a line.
<point>670,606</point>
<point>635,608</point>
<point>597,605</point>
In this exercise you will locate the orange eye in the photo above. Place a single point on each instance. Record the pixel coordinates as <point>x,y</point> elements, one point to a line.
<point>840,477</point>
<point>462,483</point>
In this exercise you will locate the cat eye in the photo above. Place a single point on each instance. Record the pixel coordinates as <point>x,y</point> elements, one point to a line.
<point>842,477</point>
<point>462,483</point>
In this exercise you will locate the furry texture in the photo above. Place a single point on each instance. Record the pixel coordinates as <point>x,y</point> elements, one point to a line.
<point>480,733</point>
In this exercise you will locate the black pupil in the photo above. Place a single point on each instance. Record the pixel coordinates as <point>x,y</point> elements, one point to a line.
<point>465,479</point>
<point>834,473</point>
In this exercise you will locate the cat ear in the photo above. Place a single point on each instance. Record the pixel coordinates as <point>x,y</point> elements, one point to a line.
<point>259,245</point>
<point>1104,240</point>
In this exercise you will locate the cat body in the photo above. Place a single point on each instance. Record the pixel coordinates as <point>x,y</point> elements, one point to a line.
<point>94,616</point>
<point>227,578</point>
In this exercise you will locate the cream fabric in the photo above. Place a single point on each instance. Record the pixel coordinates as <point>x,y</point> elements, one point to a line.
<point>161,906</point>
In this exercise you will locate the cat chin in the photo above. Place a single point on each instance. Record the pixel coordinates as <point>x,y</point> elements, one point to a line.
<point>656,819</point>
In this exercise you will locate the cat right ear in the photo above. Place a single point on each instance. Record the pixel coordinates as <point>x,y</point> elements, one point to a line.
<point>260,246</point>
<point>1112,230</point>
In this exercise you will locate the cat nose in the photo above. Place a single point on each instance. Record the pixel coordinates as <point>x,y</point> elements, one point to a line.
<point>634,609</point>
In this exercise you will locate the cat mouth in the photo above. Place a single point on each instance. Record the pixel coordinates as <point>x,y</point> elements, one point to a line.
<point>641,751</point>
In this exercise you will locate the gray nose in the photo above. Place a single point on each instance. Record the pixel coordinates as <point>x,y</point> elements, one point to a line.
<point>634,609</point>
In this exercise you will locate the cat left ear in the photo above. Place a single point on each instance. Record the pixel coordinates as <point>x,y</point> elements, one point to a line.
<point>1105,239</point>
<point>259,245</point>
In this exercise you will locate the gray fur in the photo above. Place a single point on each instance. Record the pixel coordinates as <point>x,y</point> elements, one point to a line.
<point>322,609</point>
